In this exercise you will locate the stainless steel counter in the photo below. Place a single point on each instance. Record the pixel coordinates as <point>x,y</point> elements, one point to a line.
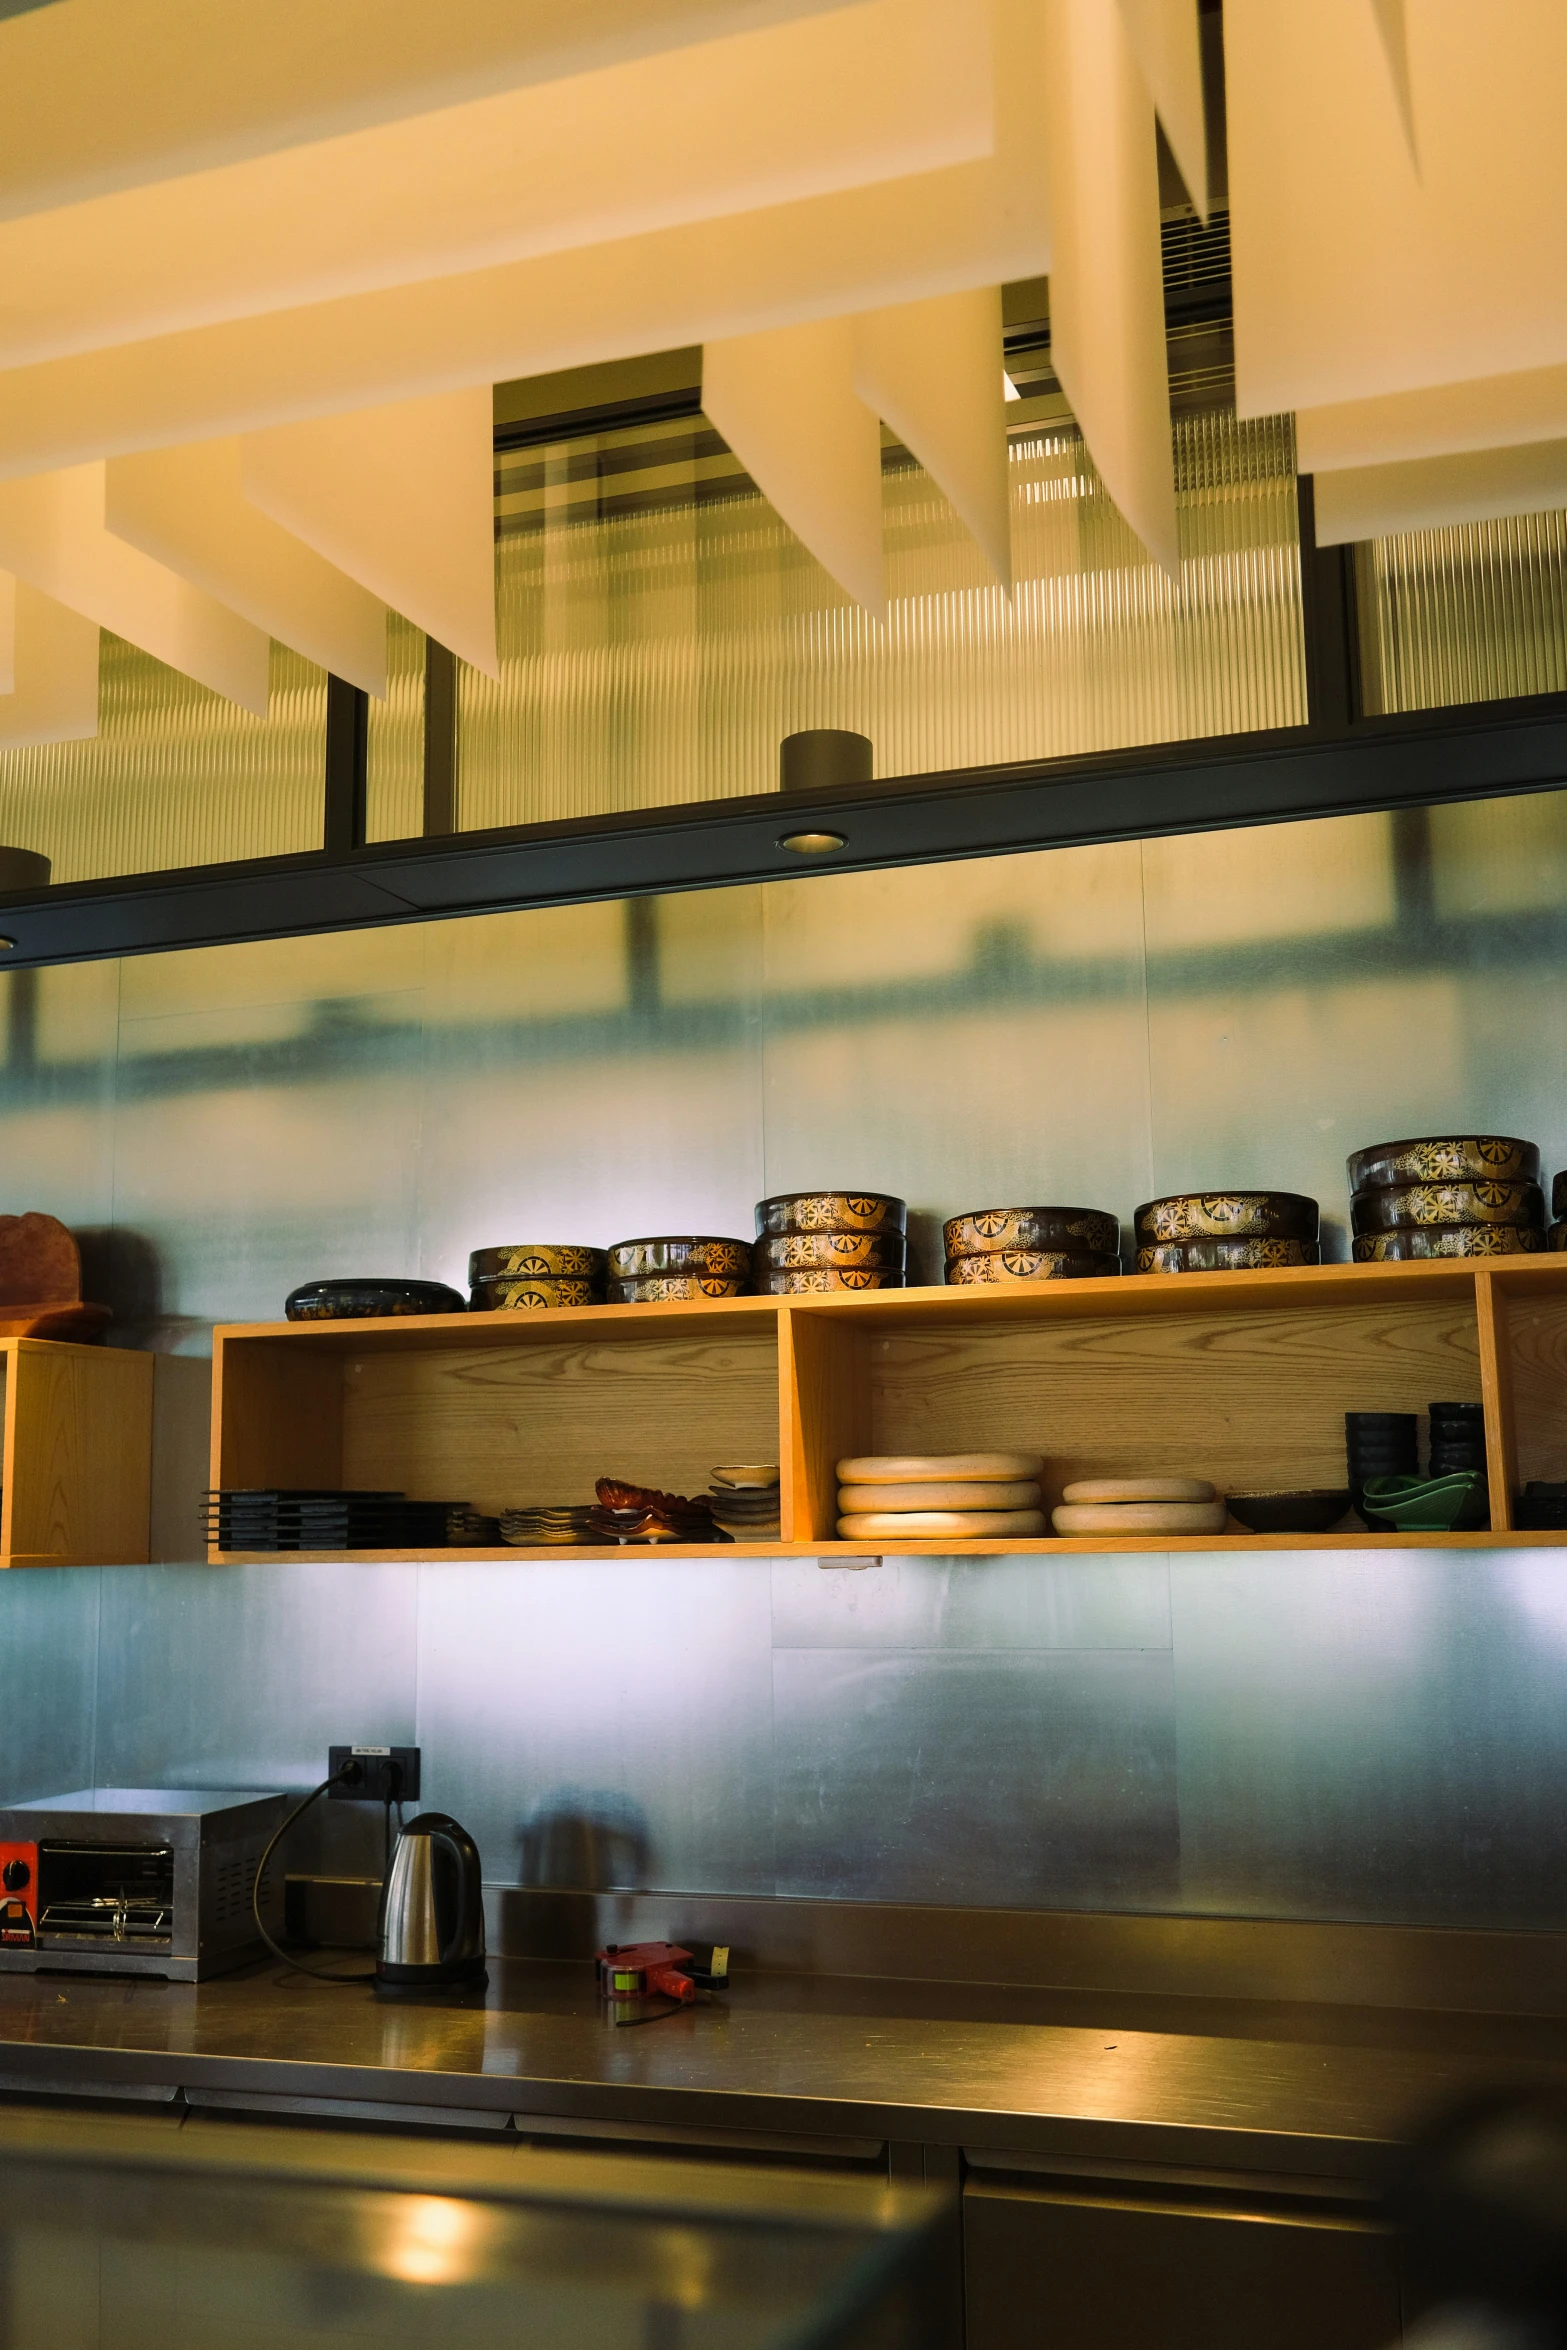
<point>840,2069</point>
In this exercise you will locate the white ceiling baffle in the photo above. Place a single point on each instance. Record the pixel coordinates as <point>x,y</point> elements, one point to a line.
<point>49,661</point>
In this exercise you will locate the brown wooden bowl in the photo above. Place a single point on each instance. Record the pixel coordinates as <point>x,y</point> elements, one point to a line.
<point>1445,1158</point>
<point>1404,1207</point>
<point>1226,1215</point>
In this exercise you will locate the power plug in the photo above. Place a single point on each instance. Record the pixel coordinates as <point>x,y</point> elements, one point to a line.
<point>374,1774</point>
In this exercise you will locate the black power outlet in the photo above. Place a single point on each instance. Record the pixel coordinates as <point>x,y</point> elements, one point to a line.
<point>374,1774</point>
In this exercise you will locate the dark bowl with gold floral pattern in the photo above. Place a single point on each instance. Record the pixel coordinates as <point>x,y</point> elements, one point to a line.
<point>1449,1240</point>
<point>1080,1232</point>
<point>528,1260</point>
<point>829,1211</point>
<point>370,1299</point>
<point>1226,1215</point>
<point>1405,1207</point>
<point>1008,1268</point>
<point>817,1280</point>
<point>679,1253</point>
<point>538,1293</point>
<point>1445,1158</point>
<point>793,1250</point>
<point>668,1289</point>
<point>1247,1255</point>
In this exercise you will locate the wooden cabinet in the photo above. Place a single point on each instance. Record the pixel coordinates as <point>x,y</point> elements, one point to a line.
<point>77,1454</point>
<point>1243,1378</point>
<point>1048,2270</point>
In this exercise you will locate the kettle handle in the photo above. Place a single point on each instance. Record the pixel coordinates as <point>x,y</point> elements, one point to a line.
<point>469,1878</point>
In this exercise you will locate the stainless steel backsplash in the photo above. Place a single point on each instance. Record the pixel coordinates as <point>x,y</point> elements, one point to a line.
<point>1318,1736</point>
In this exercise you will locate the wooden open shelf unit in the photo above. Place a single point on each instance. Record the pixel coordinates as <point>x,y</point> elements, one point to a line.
<point>1243,1378</point>
<point>77,1459</point>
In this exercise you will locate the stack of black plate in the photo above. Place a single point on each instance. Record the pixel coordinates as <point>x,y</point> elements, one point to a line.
<point>549,1526</point>
<point>307,1518</point>
<point>1457,1438</point>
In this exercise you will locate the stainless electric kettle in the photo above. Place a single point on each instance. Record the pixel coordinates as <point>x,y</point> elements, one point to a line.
<point>432,1911</point>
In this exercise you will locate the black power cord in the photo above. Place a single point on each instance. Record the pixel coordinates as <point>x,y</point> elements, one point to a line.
<point>321,1974</point>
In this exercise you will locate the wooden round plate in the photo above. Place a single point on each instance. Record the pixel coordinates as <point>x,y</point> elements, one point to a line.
<point>945,1468</point>
<point>1141,1517</point>
<point>1138,1489</point>
<point>927,1525</point>
<point>1024,1495</point>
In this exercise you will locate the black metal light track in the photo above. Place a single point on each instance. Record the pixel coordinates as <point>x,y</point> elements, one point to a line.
<point>1322,769</point>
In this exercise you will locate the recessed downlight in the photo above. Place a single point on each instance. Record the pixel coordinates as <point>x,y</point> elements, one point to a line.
<point>814,844</point>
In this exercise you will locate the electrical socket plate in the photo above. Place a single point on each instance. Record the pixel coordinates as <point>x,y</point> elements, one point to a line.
<point>376,1773</point>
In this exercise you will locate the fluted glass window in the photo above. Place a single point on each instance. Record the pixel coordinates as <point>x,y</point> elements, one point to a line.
<point>1475,613</point>
<point>661,629</point>
<point>394,753</point>
<point>176,775</point>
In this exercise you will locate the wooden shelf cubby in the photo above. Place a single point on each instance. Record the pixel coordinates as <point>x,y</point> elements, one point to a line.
<point>77,1454</point>
<point>1242,1378</point>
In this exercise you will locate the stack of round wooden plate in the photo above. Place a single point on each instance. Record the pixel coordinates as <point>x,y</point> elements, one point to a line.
<point>678,1267</point>
<point>934,1497</point>
<point>1139,1505</point>
<point>999,1247</point>
<point>1226,1231</point>
<point>808,1241</point>
<point>1447,1195</point>
<point>535,1276</point>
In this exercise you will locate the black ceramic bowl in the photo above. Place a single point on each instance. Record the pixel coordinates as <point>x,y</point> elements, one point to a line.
<point>1445,1158</point>
<point>366,1300</point>
<point>1290,1513</point>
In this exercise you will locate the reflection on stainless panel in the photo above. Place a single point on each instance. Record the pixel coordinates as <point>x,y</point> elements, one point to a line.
<point>603,1716</point>
<point>975,1603</point>
<point>49,1639</point>
<point>244,1676</point>
<point>1374,1737</point>
<point>1031,1780</point>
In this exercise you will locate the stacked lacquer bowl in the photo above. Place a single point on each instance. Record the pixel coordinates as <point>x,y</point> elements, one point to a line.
<point>1447,1195</point>
<point>809,1241</point>
<point>1226,1231</point>
<point>678,1268</point>
<point>943,1496</point>
<point>535,1276</point>
<point>1000,1247</point>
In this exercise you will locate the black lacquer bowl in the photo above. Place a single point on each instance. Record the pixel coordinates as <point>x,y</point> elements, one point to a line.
<point>369,1299</point>
<point>1290,1513</point>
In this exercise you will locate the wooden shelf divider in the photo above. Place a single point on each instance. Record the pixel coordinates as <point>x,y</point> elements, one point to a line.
<point>1243,1378</point>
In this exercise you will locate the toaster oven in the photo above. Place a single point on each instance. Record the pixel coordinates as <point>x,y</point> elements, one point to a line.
<point>135,1880</point>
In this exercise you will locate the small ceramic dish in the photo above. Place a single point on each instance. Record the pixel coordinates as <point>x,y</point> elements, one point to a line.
<point>1449,1240</point>
<point>828,1211</point>
<point>526,1259</point>
<point>1004,1268</point>
<point>665,1289</point>
<point>809,1280</point>
<point>793,1251</point>
<point>370,1299</point>
<point>540,1295</point>
<point>1310,1512</point>
<point>1429,1505</point>
<point>939,1468</point>
<point>1410,1206</point>
<point>1445,1158</point>
<point>680,1253</point>
<point>745,1476</point>
<point>1079,1232</point>
<point>1251,1255</point>
<point>1226,1215</point>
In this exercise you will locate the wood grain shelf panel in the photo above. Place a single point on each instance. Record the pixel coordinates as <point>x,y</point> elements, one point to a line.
<point>1240,1377</point>
<point>77,1454</point>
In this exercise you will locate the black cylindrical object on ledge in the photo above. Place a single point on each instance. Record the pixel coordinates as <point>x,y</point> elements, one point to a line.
<point>824,758</point>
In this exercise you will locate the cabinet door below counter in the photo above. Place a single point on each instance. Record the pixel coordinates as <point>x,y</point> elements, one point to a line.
<point>1050,2270</point>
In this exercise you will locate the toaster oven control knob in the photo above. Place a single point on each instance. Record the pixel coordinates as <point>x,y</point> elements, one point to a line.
<point>15,1875</point>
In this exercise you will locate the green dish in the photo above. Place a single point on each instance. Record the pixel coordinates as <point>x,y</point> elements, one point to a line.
<point>1430,1505</point>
